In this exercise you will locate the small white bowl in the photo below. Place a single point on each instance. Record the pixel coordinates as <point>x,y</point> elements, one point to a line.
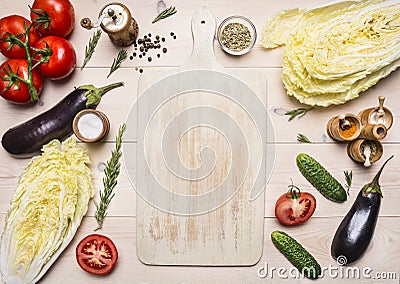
<point>241,20</point>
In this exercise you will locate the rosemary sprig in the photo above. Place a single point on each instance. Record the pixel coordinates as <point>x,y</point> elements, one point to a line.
<point>349,179</point>
<point>89,49</point>
<point>165,14</point>
<point>299,112</point>
<point>111,173</point>
<point>122,55</point>
<point>303,139</point>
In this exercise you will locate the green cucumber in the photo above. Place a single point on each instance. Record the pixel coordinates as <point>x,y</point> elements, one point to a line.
<point>296,254</point>
<point>320,178</point>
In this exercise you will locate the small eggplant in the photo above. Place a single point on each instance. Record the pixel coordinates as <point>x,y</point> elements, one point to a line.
<point>357,228</point>
<point>27,138</point>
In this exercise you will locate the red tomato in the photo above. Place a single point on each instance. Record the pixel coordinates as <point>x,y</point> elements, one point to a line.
<point>96,254</point>
<point>60,15</point>
<point>294,207</point>
<point>15,25</point>
<point>18,91</point>
<point>62,60</point>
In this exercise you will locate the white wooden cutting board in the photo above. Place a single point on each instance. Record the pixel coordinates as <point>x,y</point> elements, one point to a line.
<point>200,150</point>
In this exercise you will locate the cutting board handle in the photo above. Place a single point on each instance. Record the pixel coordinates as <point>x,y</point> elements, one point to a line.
<point>203,31</point>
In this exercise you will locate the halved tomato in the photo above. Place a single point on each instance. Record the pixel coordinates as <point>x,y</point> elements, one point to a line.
<point>294,207</point>
<point>96,254</point>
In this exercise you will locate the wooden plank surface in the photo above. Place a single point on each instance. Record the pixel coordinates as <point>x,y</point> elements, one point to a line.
<point>316,235</point>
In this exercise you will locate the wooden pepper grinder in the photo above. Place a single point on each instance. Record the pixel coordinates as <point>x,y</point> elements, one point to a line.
<point>346,127</point>
<point>116,20</point>
<point>377,115</point>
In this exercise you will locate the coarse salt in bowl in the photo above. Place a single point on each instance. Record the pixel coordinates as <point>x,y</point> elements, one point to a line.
<point>236,35</point>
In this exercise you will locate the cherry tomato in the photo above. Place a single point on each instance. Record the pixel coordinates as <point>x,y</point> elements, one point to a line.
<point>96,254</point>
<point>15,25</point>
<point>16,91</point>
<point>62,60</point>
<point>294,207</point>
<point>59,14</point>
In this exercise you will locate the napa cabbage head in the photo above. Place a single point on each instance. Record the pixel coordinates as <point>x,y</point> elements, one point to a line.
<point>334,52</point>
<point>50,201</point>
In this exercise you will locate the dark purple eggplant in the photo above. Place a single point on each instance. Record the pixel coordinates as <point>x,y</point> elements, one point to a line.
<point>27,138</point>
<point>356,230</point>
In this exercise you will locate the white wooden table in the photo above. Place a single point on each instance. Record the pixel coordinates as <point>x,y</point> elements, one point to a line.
<point>383,254</point>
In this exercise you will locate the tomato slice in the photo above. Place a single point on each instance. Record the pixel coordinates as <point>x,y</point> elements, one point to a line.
<point>96,254</point>
<point>294,208</point>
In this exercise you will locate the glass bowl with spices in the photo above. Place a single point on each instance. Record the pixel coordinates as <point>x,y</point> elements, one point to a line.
<point>236,35</point>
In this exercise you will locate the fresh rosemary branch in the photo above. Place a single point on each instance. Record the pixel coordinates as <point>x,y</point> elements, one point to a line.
<point>349,179</point>
<point>165,14</point>
<point>302,138</point>
<point>89,49</point>
<point>122,55</point>
<point>111,173</point>
<point>299,112</point>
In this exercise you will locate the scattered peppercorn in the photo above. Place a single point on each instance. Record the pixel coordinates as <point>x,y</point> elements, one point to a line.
<point>172,33</point>
<point>144,53</point>
<point>164,50</point>
<point>174,37</point>
<point>134,54</point>
<point>163,39</point>
<point>157,37</point>
<point>131,57</point>
<point>140,56</point>
<point>149,34</point>
<point>149,59</point>
<point>142,48</point>
<point>141,70</point>
<point>158,55</point>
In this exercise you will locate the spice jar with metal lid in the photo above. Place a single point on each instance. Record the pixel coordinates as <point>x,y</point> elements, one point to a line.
<point>116,20</point>
<point>90,125</point>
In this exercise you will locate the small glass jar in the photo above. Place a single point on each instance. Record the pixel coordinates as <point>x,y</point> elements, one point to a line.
<point>90,125</point>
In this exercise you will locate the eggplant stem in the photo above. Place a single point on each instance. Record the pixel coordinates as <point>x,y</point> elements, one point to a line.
<point>93,94</point>
<point>378,175</point>
<point>373,186</point>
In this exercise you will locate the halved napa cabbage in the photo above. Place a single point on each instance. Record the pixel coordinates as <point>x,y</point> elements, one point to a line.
<point>51,199</point>
<point>334,52</point>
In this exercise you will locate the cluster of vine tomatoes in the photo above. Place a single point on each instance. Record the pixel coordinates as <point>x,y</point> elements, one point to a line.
<point>35,49</point>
